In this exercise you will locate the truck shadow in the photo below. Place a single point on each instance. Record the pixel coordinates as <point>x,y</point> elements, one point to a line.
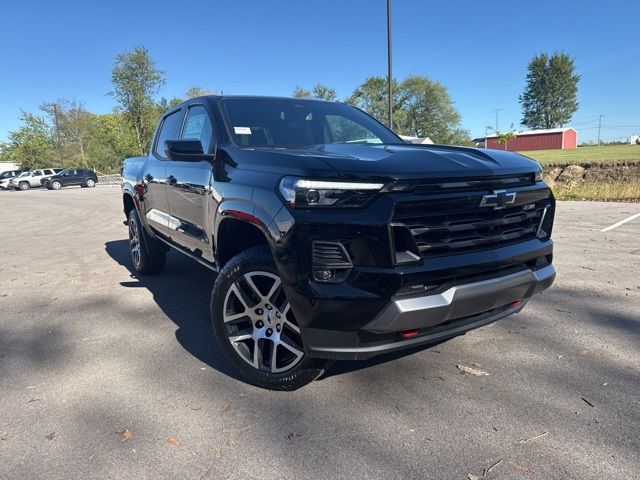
<point>183,291</point>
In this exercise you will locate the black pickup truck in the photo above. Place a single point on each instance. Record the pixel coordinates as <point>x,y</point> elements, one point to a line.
<point>332,237</point>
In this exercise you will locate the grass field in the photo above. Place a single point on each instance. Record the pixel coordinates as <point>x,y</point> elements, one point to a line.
<point>581,155</point>
<point>615,191</point>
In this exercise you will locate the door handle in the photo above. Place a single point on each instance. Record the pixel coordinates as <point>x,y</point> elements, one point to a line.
<point>171,180</point>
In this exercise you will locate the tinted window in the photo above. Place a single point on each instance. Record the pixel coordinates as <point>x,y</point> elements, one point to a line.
<point>167,132</point>
<point>275,122</point>
<point>48,172</point>
<point>37,173</point>
<point>198,126</point>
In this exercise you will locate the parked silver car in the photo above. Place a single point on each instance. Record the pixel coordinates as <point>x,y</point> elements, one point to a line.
<point>27,180</point>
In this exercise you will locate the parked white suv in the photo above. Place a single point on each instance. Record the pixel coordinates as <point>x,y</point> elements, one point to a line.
<point>32,179</point>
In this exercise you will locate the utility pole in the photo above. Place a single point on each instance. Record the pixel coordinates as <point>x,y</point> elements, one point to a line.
<point>389,75</point>
<point>599,127</point>
<point>497,110</point>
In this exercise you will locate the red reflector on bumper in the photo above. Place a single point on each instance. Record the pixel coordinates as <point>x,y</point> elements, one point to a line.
<point>515,304</point>
<point>409,333</point>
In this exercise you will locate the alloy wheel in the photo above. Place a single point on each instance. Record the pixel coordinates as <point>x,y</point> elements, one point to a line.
<point>260,324</point>
<point>56,185</point>
<point>91,183</point>
<point>134,241</point>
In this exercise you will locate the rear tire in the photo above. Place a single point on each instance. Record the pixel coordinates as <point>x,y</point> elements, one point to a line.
<point>145,262</point>
<point>262,340</point>
<point>90,182</point>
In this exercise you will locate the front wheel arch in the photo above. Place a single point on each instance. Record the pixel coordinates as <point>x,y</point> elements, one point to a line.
<point>234,236</point>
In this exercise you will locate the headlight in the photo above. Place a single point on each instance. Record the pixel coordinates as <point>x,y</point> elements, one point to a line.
<point>301,192</point>
<point>539,175</point>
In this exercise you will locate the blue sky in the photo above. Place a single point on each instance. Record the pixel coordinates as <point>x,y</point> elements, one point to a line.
<point>478,50</point>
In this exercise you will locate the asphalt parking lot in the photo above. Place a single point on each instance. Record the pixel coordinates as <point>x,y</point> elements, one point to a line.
<point>105,375</point>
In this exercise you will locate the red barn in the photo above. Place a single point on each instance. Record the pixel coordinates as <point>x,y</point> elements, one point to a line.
<point>555,138</point>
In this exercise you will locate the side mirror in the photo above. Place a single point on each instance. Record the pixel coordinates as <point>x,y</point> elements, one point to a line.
<point>187,150</point>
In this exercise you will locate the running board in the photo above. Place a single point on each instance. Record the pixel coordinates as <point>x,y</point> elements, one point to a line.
<point>210,266</point>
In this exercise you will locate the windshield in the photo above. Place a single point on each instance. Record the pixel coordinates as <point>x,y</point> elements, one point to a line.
<point>291,123</point>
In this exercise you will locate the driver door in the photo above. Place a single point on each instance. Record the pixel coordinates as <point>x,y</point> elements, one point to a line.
<point>189,186</point>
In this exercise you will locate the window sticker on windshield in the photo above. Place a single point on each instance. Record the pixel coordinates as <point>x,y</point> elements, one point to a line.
<point>242,130</point>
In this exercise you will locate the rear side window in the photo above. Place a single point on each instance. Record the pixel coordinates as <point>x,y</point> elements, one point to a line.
<point>198,126</point>
<point>48,172</point>
<point>167,132</point>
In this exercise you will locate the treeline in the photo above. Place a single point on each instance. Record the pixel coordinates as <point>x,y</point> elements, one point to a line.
<point>64,133</point>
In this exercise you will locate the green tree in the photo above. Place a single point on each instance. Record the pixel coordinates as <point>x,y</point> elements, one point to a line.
<point>322,92</point>
<point>73,126</point>
<point>550,95</point>
<point>427,110</point>
<point>371,97</point>
<point>32,145</point>
<point>136,80</point>
<point>300,92</point>
<point>421,108</point>
<point>112,141</point>
<point>503,138</point>
<point>196,91</point>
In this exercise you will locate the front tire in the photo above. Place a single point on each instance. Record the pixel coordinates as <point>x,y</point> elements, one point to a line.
<point>56,185</point>
<point>255,327</point>
<point>24,186</point>
<point>145,262</point>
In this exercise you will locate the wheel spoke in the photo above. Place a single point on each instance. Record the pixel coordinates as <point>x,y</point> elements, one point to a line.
<point>274,358</point>
<point>235,316</point>
<point>292,326</point>
<point>257,355</point>
<point>275,289</point>
<point>240,338</point>
<point>284,341</point>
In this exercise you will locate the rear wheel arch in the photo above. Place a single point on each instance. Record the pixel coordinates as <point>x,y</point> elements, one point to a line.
<point>128,203</point>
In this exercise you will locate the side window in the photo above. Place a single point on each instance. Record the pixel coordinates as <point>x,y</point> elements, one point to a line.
<point>167,132</point>
<point>37,173</point>
<point>198,126</point>
<point>48,172</point>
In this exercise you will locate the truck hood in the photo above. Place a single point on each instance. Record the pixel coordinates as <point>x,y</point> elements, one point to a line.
<point>403,162</point>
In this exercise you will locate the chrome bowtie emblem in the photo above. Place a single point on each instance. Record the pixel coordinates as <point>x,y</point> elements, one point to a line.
<point>499,199</point>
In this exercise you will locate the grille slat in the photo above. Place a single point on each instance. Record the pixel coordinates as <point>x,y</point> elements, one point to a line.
<point>468,229</point>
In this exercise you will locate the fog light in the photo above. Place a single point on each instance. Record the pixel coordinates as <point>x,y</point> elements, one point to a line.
<point>324,275</point>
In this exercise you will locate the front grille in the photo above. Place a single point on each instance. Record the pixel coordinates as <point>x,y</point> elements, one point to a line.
<point>458,230</point>
<point>480,183</point>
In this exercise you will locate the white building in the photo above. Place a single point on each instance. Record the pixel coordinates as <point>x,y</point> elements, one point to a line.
<point>5,166</point>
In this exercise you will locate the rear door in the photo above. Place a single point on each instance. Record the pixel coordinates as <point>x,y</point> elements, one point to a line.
<point>188,186</point>
<point>154,175</point>
<point>35,177</point>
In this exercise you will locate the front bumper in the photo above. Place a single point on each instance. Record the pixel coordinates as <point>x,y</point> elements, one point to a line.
<point>435,317</point>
